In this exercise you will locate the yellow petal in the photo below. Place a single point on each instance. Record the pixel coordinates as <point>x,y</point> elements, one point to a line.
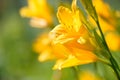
<point>70,19</point>
<point>37,9</point>
<point>71,61</point>
<point>60,51</point>
<point>65,16</point>
<point>79,43</point>
<point>59,34</point>
<point>57,31</point>
<point>33,6</point>
<point>41,43</point>
<point>82,54</point>
<point>113,41</point>
<point>46,55</point>
<point>73,6</point>
<point>87,75</point>
<point>106,26</point>
<point>100,5</point>
<point>76,21</point>
<point>25,12</point>
<point>76,14</point>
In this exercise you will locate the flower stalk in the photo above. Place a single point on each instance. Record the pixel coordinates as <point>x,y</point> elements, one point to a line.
<point>114,64</point>
<point>76,71</point>
<point>92,12</point>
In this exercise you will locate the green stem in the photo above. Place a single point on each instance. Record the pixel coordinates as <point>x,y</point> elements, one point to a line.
<point>96,68</point>
<point>115,69</point>
<point>112,60</point>
<point>76,71</point>
<point>104,61</point>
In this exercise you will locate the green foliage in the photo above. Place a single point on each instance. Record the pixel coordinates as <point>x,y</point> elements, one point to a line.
<point>90,8</point>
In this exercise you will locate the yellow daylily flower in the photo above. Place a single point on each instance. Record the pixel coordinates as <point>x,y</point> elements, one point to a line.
<point>73,35</point>
<point>42,46</point>
<point>38,11</point>
<point>87,75</point>
<point>108,24</point>
<point>48,51</point>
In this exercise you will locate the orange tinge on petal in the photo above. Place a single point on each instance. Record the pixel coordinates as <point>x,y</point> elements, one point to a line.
<point>38,11</point>
<point>74,36</point>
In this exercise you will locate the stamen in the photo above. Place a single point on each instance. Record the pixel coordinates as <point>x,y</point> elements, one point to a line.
<point>81,40</point>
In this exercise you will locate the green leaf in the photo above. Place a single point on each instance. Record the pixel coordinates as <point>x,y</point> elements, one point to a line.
<point>100,43</point>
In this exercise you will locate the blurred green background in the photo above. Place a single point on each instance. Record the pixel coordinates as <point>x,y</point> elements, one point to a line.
<point>17,59</point>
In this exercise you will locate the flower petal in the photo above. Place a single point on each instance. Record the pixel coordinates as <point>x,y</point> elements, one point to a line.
<point>113,41</point>
<point>46,55</point>
<point>25,12</point>
<point>37,9</point>
<point>82,54</point>
<point>71,61</point>
<point>59,34</point>
<point>65,16</point>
